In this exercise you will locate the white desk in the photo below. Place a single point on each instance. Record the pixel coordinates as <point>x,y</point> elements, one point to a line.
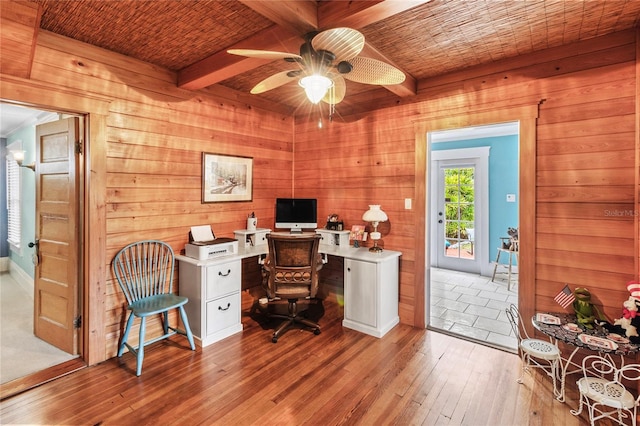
<point>213,287</point>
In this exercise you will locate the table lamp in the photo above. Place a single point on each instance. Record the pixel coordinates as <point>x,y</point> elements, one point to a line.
<point>374,215</point>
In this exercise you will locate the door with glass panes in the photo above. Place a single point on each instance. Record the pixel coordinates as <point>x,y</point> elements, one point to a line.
<point>456,215</point>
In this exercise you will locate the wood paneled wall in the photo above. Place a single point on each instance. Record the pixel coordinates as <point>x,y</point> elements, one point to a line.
<point>20,22</point>
<point>348,166</point>
<point>152,143</point>
<point>637,210</point>
<point>153,135</point>
<point>586,165</point>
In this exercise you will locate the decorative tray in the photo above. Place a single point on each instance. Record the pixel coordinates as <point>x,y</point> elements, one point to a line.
<point>547,319</point>
<point>597,342</point>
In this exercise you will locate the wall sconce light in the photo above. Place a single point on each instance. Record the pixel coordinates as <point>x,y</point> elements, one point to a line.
<point>18,157</point>
<point>375,216</point>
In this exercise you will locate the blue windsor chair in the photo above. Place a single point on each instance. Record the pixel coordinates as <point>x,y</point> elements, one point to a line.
<point>144,271</point>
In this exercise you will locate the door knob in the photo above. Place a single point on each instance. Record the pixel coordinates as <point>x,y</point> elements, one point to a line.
<point>35,258</point>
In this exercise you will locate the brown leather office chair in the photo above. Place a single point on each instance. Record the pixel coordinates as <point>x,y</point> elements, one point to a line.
<point>291,268</point>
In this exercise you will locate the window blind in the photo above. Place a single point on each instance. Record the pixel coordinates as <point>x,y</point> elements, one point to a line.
<point>13,202</point>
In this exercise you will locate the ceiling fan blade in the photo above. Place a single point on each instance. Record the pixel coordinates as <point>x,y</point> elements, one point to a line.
<point>274,81</point>
<point>335,95</point>
<point>264,54</point>
<point>344,43</point>
<point>373,71</point>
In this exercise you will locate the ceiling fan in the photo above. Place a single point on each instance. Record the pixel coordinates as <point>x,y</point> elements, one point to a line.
<point>326,59</point>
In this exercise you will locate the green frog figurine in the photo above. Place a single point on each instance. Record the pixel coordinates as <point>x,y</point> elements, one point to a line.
<point>584,309</point>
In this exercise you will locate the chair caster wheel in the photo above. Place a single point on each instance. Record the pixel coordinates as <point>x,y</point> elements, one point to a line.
<point>274,340</point>
<point>316,331</point>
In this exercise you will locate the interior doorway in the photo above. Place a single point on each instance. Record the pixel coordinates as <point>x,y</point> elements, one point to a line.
<point>468,191</point>
<point>27,269</point>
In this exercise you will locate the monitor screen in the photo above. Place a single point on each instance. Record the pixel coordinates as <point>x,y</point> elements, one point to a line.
<point>296,214</point>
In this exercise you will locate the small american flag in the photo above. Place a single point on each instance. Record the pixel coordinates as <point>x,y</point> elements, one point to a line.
<point>565,297</point>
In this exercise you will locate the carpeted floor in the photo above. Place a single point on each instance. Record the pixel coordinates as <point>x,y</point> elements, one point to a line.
<point>21,353</point>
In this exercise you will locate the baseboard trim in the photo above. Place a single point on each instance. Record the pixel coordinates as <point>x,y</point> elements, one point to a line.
<point>22,278</point>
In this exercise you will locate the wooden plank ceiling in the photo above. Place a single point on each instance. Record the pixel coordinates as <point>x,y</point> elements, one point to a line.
<point>422,38</point>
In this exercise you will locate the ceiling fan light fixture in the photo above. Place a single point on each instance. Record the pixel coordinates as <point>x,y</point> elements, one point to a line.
<point>326,60</point>
<point>315,86</point>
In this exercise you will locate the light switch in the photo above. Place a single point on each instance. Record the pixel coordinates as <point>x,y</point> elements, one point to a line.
<point>511,198</point>
<point>407,203</point>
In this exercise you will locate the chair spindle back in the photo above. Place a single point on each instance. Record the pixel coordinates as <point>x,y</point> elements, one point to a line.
<point>144,269</point>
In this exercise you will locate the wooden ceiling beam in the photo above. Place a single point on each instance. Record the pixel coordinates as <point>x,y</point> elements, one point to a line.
<point>362,13</point>
<point>221,65</point>
<point>359,14</point>
<point>294,19</point>
<point>299,16</point>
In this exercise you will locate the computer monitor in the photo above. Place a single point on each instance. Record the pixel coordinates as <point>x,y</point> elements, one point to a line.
<point>296,214</point>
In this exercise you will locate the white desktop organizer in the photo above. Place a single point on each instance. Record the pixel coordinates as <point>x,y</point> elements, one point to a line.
<point>254,238</point>
<point>331,238</point>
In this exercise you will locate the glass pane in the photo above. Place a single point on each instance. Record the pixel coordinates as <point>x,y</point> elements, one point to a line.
<point>459,211</point>
<point>452,212</point>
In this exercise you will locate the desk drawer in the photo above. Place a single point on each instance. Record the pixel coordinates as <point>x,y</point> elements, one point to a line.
<point>223,279</point>
<point>223,313</point>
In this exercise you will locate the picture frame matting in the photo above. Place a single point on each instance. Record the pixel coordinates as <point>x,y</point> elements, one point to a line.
<point>226,178</point>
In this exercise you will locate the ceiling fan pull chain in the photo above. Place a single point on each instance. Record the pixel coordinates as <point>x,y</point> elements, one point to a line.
<point>330,100</point>
<point>332,103</point>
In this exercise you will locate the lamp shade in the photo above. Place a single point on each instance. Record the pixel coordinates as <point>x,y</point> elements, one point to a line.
<point>315,86</point>
<point>374,214</point>
<point>18,156</point>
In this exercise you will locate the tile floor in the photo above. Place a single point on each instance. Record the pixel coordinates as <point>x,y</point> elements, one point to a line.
<point>472,306</point>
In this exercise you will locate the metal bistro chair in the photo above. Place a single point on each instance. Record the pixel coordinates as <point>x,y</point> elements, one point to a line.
<point>535,353</point>
<point>471,237</point>
<point>144,271</point>
<point>510,246</point>
<point>606,396</point>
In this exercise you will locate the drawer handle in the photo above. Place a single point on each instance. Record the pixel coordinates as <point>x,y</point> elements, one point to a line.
<point>220,308</point>
<point>224,275</point>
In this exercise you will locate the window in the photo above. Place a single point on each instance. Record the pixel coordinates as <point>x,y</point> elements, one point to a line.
<point>13,198</point>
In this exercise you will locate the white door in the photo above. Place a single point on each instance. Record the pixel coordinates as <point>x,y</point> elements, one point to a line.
<point>459,219</point>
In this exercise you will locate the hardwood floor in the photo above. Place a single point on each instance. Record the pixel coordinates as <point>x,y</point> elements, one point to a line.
<point>410,376</point>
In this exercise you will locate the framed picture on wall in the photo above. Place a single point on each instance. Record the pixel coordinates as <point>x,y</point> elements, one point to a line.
<point>226,178</point>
